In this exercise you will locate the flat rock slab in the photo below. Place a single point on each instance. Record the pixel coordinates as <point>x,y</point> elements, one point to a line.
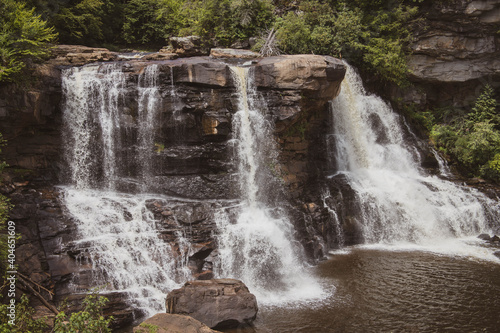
<point>233,53</point>
<point>171,323</point>
<point>218,303</point>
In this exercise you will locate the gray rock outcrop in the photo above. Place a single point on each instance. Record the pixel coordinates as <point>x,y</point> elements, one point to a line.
<point>171,323</point>
<point>456,51</point>
<point>218,303</point>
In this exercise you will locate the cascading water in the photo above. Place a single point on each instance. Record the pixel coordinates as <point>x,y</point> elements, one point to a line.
<point>148,109</point>
<point>93,97</point>
<point>397,201</point>
<point>257,245</point>
<point>116,230</point>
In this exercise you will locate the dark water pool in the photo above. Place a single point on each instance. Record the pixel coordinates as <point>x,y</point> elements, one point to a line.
<point>391,291</point>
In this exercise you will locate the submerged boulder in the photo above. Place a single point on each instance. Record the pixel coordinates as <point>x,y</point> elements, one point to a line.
<point>218,303</point>
<point>164,322</point>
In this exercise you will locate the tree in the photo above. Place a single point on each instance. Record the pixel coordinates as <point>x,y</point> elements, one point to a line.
<point>484,109</point>
<point>80,21</point>
<point>147,21</point>
<point>24,37</point>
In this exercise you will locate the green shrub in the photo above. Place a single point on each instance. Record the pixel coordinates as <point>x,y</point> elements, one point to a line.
<point>372,35</point>
<point>89,320</point>
<point>479,146</point>
<point>491,170</point>
<point>474,139</point>
<point>226,21</point>
<point>24,321</point>
<point>293,34</point>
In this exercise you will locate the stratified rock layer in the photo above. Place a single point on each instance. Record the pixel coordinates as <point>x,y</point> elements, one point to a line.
<point>221,303</point>
<point>456,52</point>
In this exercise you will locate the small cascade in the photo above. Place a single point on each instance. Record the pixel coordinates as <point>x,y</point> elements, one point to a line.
<point>148,115</point>
<point>256,242</point>
<point>117,233</point>
<point>93,98</point>
<point>396,200</point>
<point>339,240</point>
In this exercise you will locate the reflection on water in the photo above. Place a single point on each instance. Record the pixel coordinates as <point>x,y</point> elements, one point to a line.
<point>387,291</point>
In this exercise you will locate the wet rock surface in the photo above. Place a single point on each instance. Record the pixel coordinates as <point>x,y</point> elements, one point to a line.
<point>171,323</point>
<point>218,303</point>
<point>193,163</point>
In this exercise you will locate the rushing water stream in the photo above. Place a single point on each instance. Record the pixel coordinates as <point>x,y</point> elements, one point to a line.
<point>398,201</point>
<point>421,270</point>
<point>258,248</point>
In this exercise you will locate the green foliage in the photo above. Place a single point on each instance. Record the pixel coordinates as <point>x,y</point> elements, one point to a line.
<point>144,25</point>
<point>485,108</point>
<point>294,34</point>
<point>159,147</point>
<point>372,34</point>
<point>318,28</point>
<point>81,21</point>
<point>89,320</point>
<point>387,58</point>
<point>491,170</point>
<point>226,21</point>
<point>24,321</point>
<point>147,328</point>
<point>474,139</point>
<point>479,146</point>
<point>422,120</point>
<point>24,37</point>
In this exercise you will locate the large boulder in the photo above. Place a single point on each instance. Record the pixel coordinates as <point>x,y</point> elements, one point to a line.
<point>189,46</point>
<point>218,303</point>
<point>171,323</point>
<point>316,75</point>
<point>77,55</point>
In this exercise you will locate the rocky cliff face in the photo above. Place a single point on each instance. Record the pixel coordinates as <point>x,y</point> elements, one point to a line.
<point>455,53</point>
<point>193,159</point>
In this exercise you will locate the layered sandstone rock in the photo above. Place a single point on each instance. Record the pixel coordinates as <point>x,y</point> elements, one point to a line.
<point>220,303</point>
<point>455,53</point>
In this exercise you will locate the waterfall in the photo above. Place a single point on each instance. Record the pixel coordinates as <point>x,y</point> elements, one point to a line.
<point>397,201</point>
<point>148,113</point>
<point>93,99</point>
<point>116,232</point>
<point>257,245</point>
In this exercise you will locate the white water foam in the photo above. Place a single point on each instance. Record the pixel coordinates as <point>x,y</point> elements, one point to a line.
<point>117,231</point>
<point>399,203</point>
<point>119,236</point>
<point>257,246</point>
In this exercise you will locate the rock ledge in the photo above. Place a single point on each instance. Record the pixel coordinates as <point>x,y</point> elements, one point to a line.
<point>218,303</point>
